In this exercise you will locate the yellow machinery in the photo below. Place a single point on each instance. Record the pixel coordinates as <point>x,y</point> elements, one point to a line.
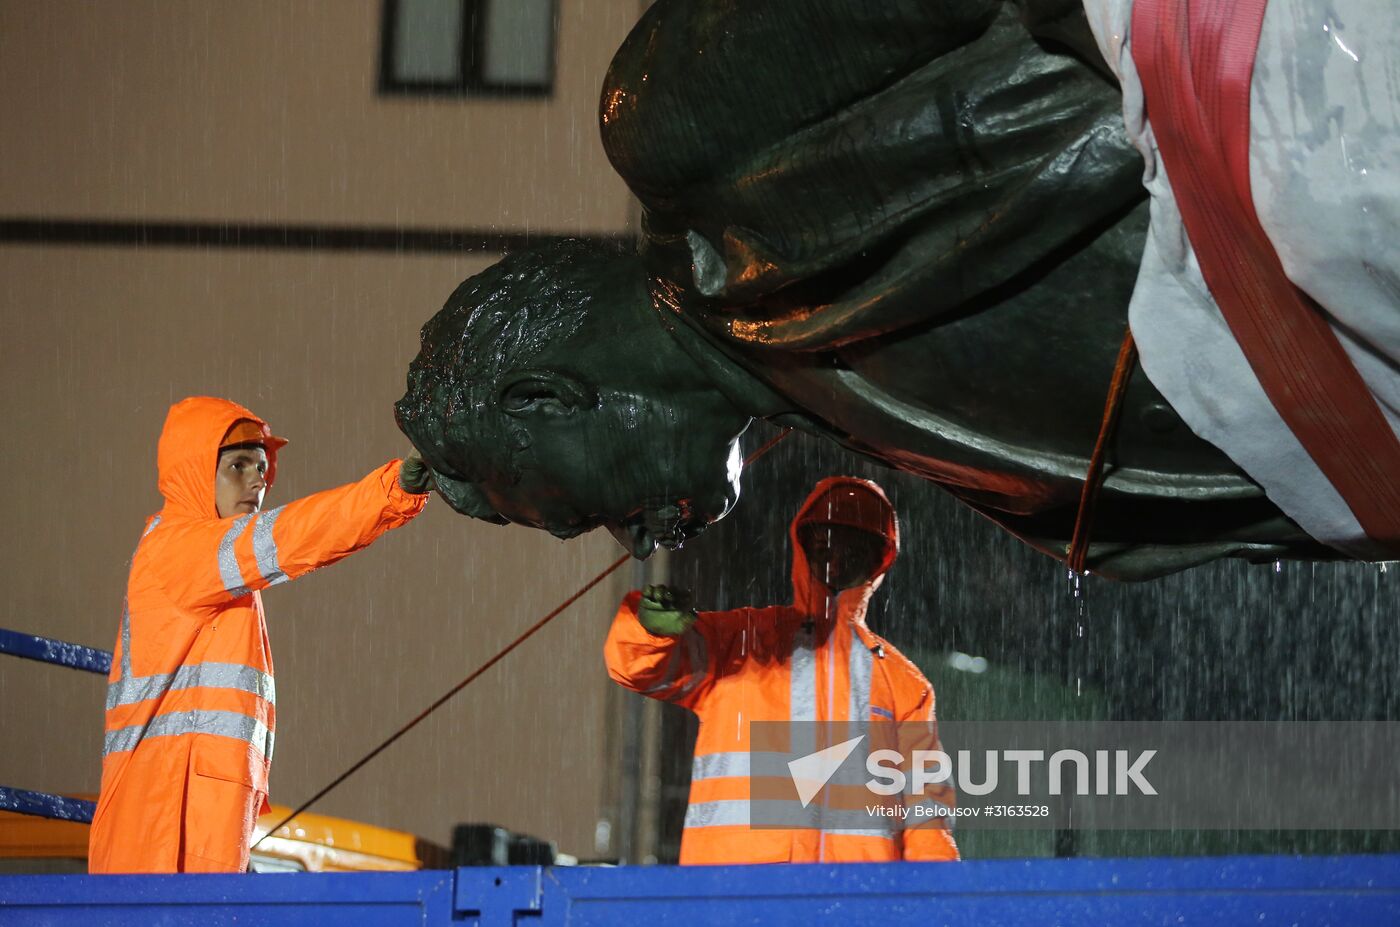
<point>309,843</point>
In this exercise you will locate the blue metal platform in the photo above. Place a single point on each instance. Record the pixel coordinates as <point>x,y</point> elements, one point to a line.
<point>1342,891</point>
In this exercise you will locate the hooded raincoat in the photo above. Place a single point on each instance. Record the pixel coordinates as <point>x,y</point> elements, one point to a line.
<point>190,700</point>
<point>814,660</point>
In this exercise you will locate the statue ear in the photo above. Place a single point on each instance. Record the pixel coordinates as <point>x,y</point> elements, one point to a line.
<point>544,392</point>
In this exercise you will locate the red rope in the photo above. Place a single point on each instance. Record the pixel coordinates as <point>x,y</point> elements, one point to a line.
<point>442,700</point>
<point>1093,480</point>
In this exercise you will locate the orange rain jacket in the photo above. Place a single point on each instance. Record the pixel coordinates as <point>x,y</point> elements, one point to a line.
<point>190,717</point>
<point>814,660</point>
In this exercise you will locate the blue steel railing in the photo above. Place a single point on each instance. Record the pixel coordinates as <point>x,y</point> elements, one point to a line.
<point>1303,891</point>
<point>1342,891</point>
<point>59,653</point>
<point>46,805</point>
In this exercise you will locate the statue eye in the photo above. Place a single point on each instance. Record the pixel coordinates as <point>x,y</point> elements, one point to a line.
<point>528,395</point>
<point>545,392</point>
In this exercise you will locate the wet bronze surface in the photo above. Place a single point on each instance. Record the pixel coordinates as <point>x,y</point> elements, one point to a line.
<point>910,227</point>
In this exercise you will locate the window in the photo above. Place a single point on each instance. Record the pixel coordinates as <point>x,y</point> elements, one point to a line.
<point>468,47</point>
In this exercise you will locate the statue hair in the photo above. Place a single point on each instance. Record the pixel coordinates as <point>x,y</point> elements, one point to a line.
<point>496,322</point>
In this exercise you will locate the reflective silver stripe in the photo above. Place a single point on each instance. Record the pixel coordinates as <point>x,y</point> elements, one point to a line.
<point>121,740</point>
<point>717,813</point>
<point>697,649</point>
<point>227,676</point>
<point>804,678</point>
<point>219,723</point>
<point>851,773</point>
<point>858,665</point>
<point>265,547</point>
<point>135,689</point>
<point>720,765</point>
<point>125,665</point>
<point>862,663</point>
<point>228,561</point>
<point>802,695</point>
<point>777,765</point>
<point>126,640</point>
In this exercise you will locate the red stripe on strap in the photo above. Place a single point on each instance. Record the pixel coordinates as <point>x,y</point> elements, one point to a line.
<point>1196,59</point>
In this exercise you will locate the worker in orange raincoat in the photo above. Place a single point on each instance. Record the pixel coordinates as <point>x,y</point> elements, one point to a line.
<point>812,661</point>
<point>190,717</point>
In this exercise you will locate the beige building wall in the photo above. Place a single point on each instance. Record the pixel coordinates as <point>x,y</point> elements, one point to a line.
<point>266,112</point>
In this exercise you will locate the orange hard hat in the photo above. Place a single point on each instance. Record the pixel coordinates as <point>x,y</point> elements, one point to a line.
<point>851,502</point>
<point>247,431</point>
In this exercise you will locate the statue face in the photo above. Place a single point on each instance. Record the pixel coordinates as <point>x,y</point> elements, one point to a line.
<point>652,466</point>
<point>548,393</point>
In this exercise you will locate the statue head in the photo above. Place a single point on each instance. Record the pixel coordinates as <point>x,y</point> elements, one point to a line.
<point>548,393</point>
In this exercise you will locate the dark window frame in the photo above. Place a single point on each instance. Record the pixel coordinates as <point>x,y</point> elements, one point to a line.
<point>469,80</point>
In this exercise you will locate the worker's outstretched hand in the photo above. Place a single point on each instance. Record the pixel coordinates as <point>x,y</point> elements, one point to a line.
<point>665,611</point>
<point>415,475</point>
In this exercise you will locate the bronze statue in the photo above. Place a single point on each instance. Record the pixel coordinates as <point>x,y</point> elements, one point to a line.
<point>912,227</point>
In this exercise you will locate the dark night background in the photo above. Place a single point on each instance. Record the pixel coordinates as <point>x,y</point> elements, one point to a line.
<point>1226,641</point>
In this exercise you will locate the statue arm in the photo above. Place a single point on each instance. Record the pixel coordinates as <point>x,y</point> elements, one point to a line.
<point>859,180</point>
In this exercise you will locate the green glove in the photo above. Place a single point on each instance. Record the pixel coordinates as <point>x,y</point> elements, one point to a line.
<point>415,475</point>
<point>665,611</point>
